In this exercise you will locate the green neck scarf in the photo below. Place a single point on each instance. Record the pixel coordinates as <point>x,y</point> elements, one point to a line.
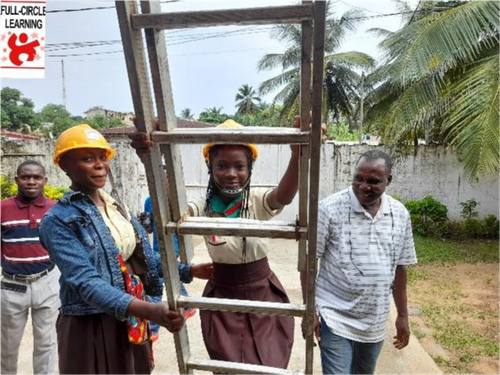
<point>231,210</point>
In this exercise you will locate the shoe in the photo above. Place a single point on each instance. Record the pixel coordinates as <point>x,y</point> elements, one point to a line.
<point>188,313</point>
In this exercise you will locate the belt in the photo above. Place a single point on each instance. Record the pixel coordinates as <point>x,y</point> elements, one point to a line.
<point>28,279</point>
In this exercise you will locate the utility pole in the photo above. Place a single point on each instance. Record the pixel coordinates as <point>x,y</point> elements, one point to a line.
<point>361,99</point>
<point>63,84</point>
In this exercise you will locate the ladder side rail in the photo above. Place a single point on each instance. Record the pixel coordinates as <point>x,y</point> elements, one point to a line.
<point>317,96</point>
<point>226,17</point>
<point>243,306</point>
<point>143,106</point>
<point>224,367</point>
<point>160,76</point>
<point>305,120</point>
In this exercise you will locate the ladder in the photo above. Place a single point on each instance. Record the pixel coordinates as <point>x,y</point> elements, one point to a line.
<point>141,31</point>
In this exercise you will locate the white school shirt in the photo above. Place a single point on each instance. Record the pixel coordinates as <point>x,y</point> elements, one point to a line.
<point>359,255</point>
<point>230,250</point>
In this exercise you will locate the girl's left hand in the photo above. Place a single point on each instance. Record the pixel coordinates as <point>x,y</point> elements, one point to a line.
<point>202,271</point>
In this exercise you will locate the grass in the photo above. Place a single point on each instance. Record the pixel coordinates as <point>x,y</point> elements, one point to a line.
<point>443,302</point>
<point>431,250</point>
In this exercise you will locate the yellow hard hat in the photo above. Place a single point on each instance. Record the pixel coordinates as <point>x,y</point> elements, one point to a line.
<point>231,124</point>
<point>81,136</point>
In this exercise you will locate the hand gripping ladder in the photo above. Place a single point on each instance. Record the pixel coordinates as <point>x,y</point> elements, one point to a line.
<point>166,185</point>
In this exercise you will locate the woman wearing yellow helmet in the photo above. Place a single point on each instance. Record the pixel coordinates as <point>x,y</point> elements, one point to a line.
<point>241,268</point>
<point>107,267</point>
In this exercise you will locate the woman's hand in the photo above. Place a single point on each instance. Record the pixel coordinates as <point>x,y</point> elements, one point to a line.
<point>140,141</point>
<point>158,313</point>
<point>202,271</point>
<point>171,320</point>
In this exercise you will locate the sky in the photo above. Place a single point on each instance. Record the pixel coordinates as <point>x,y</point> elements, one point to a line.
<point>207,65</point>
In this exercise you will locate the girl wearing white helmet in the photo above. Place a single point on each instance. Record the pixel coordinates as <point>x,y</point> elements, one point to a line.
<point>241,268</point>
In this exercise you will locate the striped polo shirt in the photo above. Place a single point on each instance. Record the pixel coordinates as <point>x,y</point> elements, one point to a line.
<point>22,253</point>
<point>358,257</point>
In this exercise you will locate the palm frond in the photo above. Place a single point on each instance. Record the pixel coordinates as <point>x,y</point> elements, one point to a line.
<point>274,83</point>
<point>383,33</point>
<point>352,59</point>
<point>416,107</point>
<point>472,121</point>
<point>442,40</point>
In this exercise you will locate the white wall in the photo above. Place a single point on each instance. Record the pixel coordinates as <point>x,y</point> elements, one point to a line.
<point>432,171</point>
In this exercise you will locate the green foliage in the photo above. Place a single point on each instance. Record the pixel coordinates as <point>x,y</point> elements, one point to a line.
<point>103,122</point>
<point>8,188</point>
<point>57,115</point>
<point>213,115</point>
<point>427,215</point>
<point>17,111</point>
<point>468,209</point>
<point>187,114</point>
<point>247,100</point>
<point>434,250</point>
<point>340,132</point>
<point>439,79</point>
<point>266,116</point>
<point>54,192</point>
<point>473,228</point>
<point>341,84</point>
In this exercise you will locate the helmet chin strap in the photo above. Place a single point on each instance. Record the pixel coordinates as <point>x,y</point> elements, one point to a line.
<point>232,192</point>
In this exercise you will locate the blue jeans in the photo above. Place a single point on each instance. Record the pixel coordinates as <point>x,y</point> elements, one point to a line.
<point>343,356</point>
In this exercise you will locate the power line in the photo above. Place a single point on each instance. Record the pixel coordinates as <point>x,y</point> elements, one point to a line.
<point>188,39</point>
<point>173,55</point>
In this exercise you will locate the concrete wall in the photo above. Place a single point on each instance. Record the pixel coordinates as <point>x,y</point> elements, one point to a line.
<point>432,171</point>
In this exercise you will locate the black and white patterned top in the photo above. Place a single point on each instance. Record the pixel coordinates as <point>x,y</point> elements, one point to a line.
<point>358,257</point>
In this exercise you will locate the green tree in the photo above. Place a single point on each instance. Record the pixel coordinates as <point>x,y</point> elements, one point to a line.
<point>17,111</point>
<point>58,116</point>
<point>213,115</point>
<point>103,122</point>
<point>440,80</point>
<point>266,116</point>
<point>246,100</point>
<point>341,78</point>
<point>187,114</point>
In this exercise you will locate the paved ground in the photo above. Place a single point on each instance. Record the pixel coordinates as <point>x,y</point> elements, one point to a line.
<point>283,258</point>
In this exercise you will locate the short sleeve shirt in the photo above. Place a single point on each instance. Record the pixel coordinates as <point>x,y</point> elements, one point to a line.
<point>237,250</point>
<point>359,255</point>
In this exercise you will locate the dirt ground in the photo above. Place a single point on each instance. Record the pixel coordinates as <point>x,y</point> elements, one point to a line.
<point>460,306</point>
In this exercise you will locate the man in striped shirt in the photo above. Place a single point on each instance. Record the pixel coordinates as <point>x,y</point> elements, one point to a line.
<point>365,242</point>
<point>29,280</point>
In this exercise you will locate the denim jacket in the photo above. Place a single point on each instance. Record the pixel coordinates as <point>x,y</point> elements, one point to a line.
<point>80,243</point>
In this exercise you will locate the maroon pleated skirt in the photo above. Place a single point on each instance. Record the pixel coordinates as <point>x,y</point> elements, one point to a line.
<point>98,344</point>
<point>259,339</point>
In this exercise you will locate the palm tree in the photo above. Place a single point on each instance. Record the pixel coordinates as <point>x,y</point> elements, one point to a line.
<point>440,80</point>
<point>341,78</point>
<point>187,114</point>
<point>245,100</point>
<point>213,115</point>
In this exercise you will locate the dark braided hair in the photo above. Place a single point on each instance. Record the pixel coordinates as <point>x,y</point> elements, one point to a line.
<point>212,187</point>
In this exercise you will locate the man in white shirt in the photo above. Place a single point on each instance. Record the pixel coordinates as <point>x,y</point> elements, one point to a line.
<point>365,242</point>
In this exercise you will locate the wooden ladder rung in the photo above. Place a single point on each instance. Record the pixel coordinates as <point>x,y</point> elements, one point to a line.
<point>238,228</point>
<point>256,134</point>
<point>242,306</point>
<point>224,367</point>
<point>247,16</point>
